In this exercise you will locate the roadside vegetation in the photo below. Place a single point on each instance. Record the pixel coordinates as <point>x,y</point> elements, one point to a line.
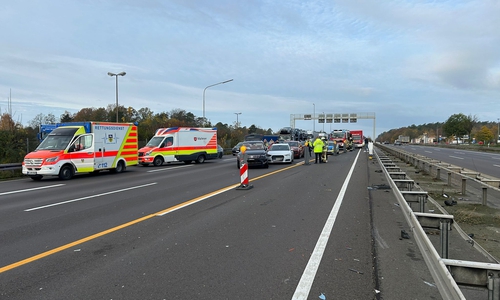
<point>17,140</point>
<point>458,129</point>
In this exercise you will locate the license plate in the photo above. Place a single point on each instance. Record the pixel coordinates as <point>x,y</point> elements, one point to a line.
<point>31,173</point>
<point>279,158</point>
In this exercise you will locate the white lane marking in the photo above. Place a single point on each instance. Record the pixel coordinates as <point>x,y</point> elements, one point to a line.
<point>428,151</point>
<point>89,197</point>
<point>307,279</point>
<point>495,157</point>
<point>166,169</point>
<point>456,157</point>
<point>496,166</point>
<point>33,189</point>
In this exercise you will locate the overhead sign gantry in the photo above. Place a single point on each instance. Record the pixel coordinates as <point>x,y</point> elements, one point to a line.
<point>334,118</point>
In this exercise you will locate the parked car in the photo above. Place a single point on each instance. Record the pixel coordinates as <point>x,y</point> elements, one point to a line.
<point>236,148</point>
<point>296,146</point>
<point>220,151</point>
<point>256,154</point>
<point>280,153</point>
<point>331,148</point>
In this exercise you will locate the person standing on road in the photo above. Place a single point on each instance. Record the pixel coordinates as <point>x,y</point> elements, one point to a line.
<point>318,149</point>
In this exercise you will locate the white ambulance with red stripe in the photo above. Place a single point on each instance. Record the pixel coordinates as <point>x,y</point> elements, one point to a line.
<point>83,147</point>
<point>186,144</point>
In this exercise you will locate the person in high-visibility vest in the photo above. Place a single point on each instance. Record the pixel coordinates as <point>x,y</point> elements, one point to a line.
<point>318,149</point>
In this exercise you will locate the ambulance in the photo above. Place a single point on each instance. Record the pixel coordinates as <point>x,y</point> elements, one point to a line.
<point>83,147</point>
<point>184,144</point>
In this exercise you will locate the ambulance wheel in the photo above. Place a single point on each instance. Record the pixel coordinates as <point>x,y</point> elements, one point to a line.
<point>120,167</point>
<point>66,172</point>
<point>200,159</point>
<point>158,161</point>
<point>36,177</point>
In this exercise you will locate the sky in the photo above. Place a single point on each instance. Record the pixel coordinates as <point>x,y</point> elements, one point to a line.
<point>400,62</point>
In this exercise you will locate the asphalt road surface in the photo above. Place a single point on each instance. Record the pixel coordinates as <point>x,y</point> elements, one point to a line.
<point>185,232</point>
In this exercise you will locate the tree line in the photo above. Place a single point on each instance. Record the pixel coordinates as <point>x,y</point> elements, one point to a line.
<point>17,140</point>
<point>457,126</point>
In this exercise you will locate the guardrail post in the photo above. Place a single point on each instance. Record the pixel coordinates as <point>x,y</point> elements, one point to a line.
<point>493,286</point>
<point>444,227</point>
<point>430,169</point>
<point>423,166</point>
<point>449,178</point>
<point>485,196</point>
<point>464,185</point>
<point>438,175</point>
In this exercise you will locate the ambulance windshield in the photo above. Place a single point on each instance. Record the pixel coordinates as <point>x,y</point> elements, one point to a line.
<point>55,142</point>
<point>155,141</point>
<point>58,139</point>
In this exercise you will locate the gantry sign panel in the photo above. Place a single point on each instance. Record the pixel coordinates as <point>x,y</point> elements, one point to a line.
<point>333,118</point>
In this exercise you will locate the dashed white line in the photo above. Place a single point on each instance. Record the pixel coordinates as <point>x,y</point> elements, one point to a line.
<point>33,189</point>
<point>89,197</point>
<point>456,157</point>
<point>166,169</point>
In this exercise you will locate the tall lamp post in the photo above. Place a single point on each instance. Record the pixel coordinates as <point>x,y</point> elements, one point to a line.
<point>116,75</point>
<point>207,88</point>
<point>323,122</point>
<point>498,131</point>
<point>314,113</point>
<point>237,123</point>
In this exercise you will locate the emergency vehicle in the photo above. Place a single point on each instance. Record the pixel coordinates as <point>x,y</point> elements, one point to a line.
<point>341,136</point>
<point>83,147</point>
<point>357,138</point>
<point>184,144</point>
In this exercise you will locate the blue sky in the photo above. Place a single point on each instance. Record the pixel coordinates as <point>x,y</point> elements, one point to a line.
<point>407,62</point>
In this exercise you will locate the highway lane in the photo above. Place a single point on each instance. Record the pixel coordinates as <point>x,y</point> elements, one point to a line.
<point>482,162</point>
<point>254,244</point>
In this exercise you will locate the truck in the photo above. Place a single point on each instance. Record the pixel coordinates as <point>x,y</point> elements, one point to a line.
<point>404,139</point>
<point>343,139</point>
<point>357,138</point>
<point>83,147</point>
<point>179,144</point>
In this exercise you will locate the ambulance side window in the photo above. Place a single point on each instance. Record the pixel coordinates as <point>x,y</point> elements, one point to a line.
<point>169,141</point>
<point>86,141</point>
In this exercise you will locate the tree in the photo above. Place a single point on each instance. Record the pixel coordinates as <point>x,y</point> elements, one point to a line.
<point>66,117</point>
<point>456,125</point>
<point>485,135</point>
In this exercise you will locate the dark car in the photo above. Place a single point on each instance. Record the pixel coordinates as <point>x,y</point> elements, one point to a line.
<point>236,148</point>
<point>256,154</point>
<point>296,146</point>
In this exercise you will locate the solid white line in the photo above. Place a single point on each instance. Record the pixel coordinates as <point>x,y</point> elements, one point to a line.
<point>33,189</point>
<point>89,197</point>
<point>166,169</point>
<point>307,279</point>
<point>456,157</point>
<point>496,166</point>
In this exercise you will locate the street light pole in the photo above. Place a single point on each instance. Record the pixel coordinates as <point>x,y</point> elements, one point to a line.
<point>116,75</point>
<point>498,130</point>
<point>237,123</point>
<point>323,122</point>
<point>204,94</point>
<point>314,114</point>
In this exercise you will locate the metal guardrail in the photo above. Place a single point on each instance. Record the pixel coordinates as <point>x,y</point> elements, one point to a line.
<point>12,166</point>
<point>448,273</point>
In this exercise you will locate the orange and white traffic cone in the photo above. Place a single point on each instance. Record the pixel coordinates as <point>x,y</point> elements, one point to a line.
<point>244,171</point>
